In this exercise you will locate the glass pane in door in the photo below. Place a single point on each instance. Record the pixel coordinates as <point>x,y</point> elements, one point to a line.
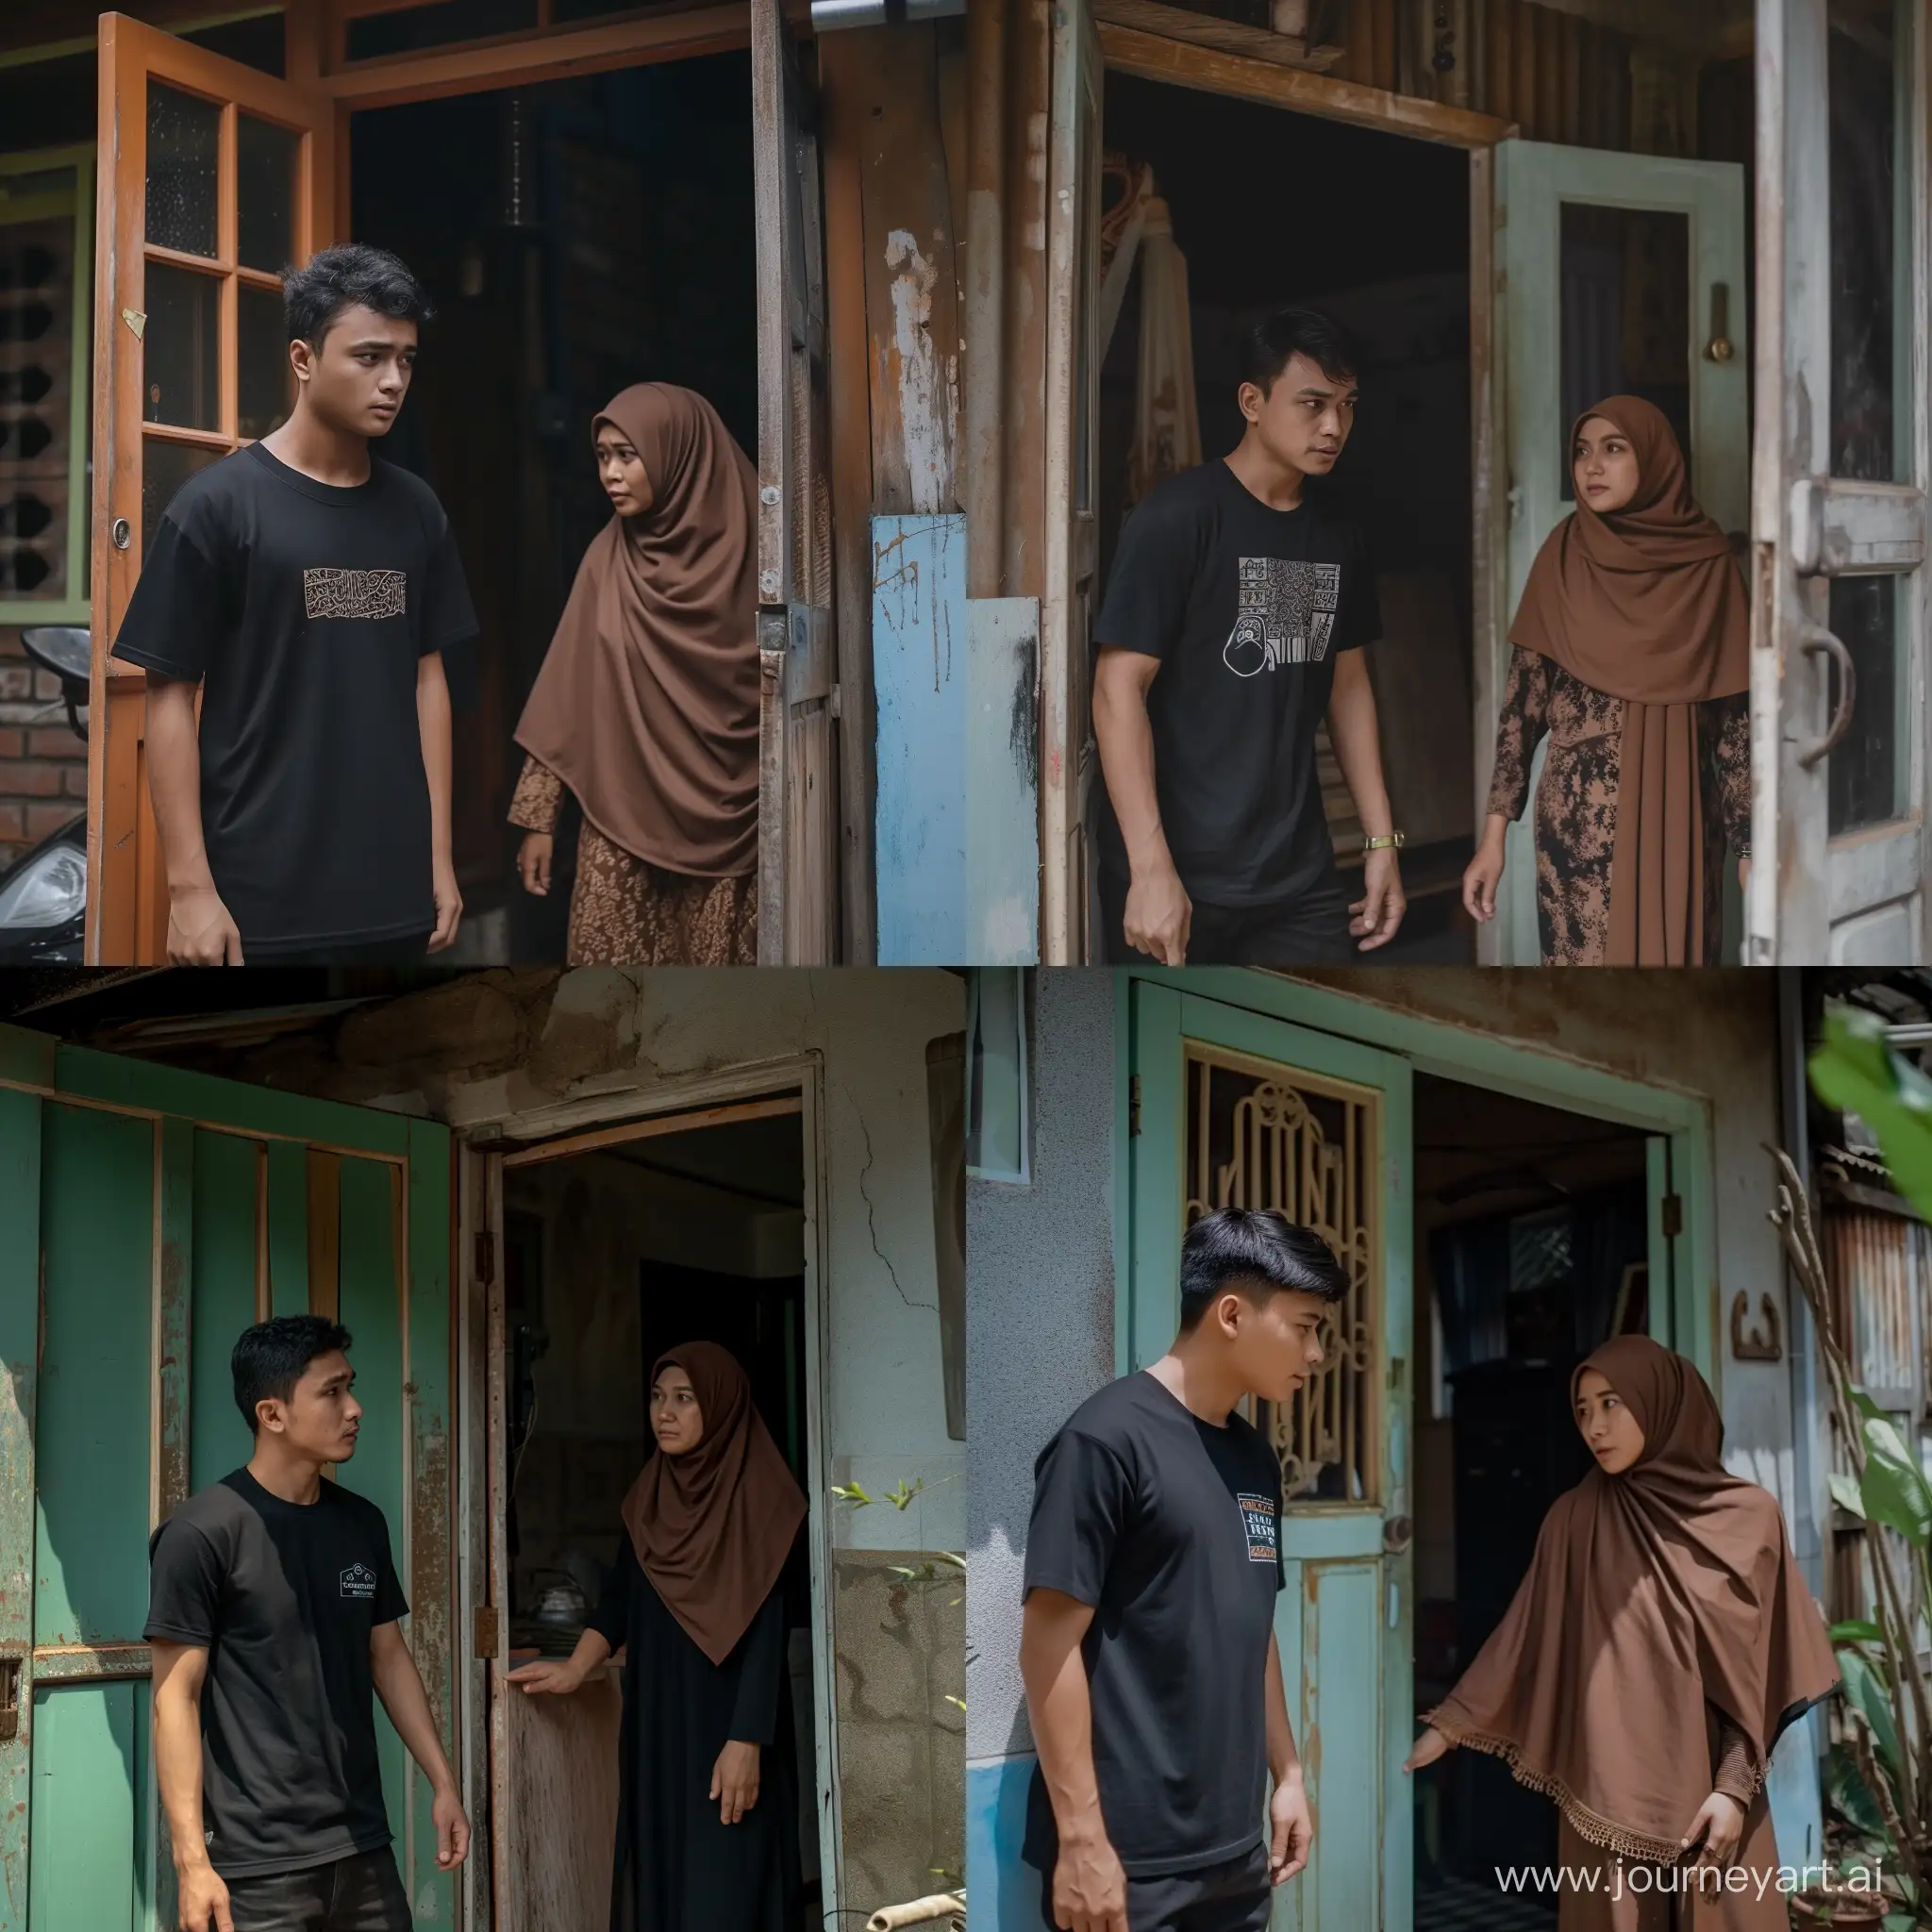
<point>1868,769</point>
<point>181,348</point>
<point>164,467</point>
<point>184,136</point>
<point>1625,309</point>
<point>264,381</point>
<point>1871,253</point>
<point>265,187</point>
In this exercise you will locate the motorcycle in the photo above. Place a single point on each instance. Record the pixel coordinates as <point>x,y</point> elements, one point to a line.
<point>44,893</point>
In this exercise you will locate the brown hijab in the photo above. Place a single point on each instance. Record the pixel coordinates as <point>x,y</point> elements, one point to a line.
<point>712,1528</point>
<point>1646,604</point>
<point>647,703</point>
<point>1651,1594</point>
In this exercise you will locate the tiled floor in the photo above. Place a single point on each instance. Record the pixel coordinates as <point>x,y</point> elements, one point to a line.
<point>1452,1905</point>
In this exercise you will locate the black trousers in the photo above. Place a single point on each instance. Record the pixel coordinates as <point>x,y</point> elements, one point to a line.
<point>1234,1896</point>
<point>1311,930</point>
<point>407,951</point>
<point>361,1893</point>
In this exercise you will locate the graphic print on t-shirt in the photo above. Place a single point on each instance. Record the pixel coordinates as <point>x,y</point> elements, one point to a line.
<point>355,592</point>
<point>1285,614</point>
<point>358,1579</point>
<point>1258,1519</point>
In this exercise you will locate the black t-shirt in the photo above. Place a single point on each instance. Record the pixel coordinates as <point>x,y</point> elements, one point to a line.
<point>1246,608</point>
<point>283,1597</point>
<point>1169,1528</point>
<point>303,608</point>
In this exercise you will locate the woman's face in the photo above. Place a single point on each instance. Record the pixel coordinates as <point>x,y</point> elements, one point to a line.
<point>620,471</point>
<point>1605,466</point>
<point>677,1421</point>
<point>1608,1427</point>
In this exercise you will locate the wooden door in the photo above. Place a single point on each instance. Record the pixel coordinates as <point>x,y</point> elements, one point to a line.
<point>1842,449</point>
<point>798,793</point>
<point>151,1215</point>
<point>1236,1109</point>
<point>1069,764</point>
<point>1620,274</point>
<point>213,178</point>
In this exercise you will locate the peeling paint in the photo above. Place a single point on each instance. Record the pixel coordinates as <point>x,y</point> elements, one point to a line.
<point>928,393</point>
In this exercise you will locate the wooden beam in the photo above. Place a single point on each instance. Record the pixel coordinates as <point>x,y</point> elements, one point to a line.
<point>1183,64</point>
<point>1710,29</point>
<point>1225,36</point>
<point>655,1126</point>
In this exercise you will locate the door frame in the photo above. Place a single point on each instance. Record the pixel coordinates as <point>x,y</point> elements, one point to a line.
<point>1682,1122</point>
<point>554,1131</point>
<point>1179,63</point>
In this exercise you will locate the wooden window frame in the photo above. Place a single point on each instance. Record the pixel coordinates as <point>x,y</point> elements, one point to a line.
<point>73,608</point>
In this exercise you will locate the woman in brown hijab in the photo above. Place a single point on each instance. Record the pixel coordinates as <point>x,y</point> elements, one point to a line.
<point>1659,1645</point>
<point>1633,656</point>
<point>708,1806</point>
<point>647,705</point>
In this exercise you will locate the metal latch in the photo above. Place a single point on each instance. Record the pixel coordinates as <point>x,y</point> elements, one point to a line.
<point>9,1697</point>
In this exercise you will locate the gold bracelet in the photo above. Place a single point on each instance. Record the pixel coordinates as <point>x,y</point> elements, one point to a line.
<point>1390,841</point>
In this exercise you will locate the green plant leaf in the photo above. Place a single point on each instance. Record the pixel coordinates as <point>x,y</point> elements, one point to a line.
<point>853,1493</point>
<point>1857,1631</point>
<point>1855,1070</point>
<point>1845,1492</point>
<point>1895,1490</point>
<point>1901,1922</point>
<point>1847,1793</point>
<point>1865,1689</point>
<point>1865,1405</point>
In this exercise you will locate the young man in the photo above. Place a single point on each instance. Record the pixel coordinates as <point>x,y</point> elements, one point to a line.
<point>272,1613</point>
<point>307,591</point>
<point>1253,606</point>
<point>1153,1680</point>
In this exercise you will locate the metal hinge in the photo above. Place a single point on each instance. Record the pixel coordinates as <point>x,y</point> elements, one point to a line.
<point>1673,1216</point>
<point>486,1257</point>
<point>1133,1105</point>
<point>488,1632</point>
<point>836,708</point>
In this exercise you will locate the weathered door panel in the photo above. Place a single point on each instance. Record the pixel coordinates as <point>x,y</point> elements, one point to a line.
<point>192,234</point>
<point>1616,272</point>
<point>798,794</point>
<point>1237,1109</point>
<point>1842,462</point>
<point>164,1212</point>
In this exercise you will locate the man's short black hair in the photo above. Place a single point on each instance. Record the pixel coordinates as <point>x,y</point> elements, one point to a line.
<point>352,277</point>
<point>1276,340</point>
<point>269,1358</point>
<point>1258,1252</point>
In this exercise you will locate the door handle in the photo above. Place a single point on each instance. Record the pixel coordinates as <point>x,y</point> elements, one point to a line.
<point>1720,348</point>
<point>1398,1532</point>
<point>1820,642</point>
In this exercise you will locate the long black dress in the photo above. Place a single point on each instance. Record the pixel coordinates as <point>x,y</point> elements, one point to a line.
<point>679,1867</point>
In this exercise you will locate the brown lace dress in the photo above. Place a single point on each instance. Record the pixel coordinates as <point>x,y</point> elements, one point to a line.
<point>625,912</point>
<point>1597,1898</point>
<point>1576,801</point>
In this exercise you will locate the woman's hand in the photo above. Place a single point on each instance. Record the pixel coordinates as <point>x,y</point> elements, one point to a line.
<point>735,1780</point>
<point>551,1676</point>
<point>1720,1824</point>
<point>1431,1745</point>
<point>1480,881</point>
<point>533,863</point>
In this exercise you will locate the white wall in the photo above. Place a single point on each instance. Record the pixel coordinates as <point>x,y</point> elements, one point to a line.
<point>631,1032</point>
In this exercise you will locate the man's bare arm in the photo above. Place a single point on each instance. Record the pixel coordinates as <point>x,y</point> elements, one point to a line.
<point>400,1687</point>
<point>1290,1826</point>
<point>433,727</point>
<point>1158,912</point>
<point>1352,730</point>
<point>200,932</point>
<point>179,1670</point>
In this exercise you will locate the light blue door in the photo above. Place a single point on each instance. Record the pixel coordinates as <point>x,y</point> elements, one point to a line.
<point>1231,1109</point>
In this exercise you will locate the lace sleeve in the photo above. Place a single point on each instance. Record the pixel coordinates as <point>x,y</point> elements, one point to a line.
<point>1519,730</point>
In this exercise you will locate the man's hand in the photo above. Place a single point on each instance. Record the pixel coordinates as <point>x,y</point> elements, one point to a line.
<point>1431,1745</point>
<point>1090,1888</point>
<point>1290,1828</point>
<point>449,907</point>
<point>200,932</point>
<point>1378,912</point>
<point>735,1780</point>
<point>451,1829</point>
<point>204,1899</point>
<point>556,1678</point>
<point>533,863</point>
<point>1158,916</point>
<point>1720,1824</point>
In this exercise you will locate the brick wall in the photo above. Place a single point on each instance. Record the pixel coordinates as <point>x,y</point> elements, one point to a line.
<point>42,765</point>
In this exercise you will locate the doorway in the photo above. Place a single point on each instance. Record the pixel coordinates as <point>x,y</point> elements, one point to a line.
<point>1531,1248</point>
<point>1271,208</point>
<point>574,237</point>
<point>687,1227</point>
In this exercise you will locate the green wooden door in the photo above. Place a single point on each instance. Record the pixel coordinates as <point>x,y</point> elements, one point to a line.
<point>146,1217</point>
<point>1237,1109</point>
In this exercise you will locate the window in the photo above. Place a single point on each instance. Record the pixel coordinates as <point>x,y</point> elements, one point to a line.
<point>996,1112</point>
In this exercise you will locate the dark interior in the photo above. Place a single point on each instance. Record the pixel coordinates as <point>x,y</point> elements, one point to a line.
<point>575,237</point>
